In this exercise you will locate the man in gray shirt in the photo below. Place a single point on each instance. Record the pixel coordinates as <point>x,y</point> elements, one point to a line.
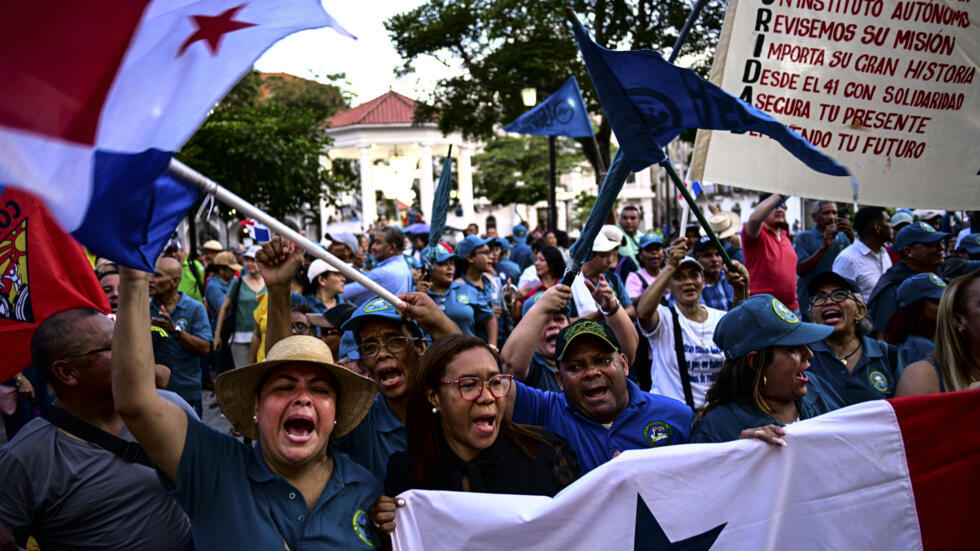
<point>66,491</point>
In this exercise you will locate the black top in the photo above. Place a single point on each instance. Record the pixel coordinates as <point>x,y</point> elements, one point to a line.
<point>503,468</point>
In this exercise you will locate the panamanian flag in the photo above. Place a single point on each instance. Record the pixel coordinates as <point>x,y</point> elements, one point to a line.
<point>900,474</point>
<point>96,96</point>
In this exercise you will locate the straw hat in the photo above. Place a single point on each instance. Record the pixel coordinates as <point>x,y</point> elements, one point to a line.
<point>236,389</point>
<point>227,259</point>
<point>724,224</point>
<point>212,245</point>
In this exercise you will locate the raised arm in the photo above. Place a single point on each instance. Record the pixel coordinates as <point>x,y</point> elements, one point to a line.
<point>158,424</point>
<point>646,309</point>
<point>616,316</point>
<point>754,224</point>
<point>279,261</point>
<point>421,308</point>
<point>523,340</point>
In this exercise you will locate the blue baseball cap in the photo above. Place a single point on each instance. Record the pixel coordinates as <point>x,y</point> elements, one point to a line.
<point>377,308</point>
<point>920,286</point>
<point>520,233</point>
<point>970,243</point>
<point>501,242</point>
<point>831,277</point>
<point>917,232</point>
<point>470,244</point>
<point>762,322</point>
<point>348,346</point>
<point>649,238</point>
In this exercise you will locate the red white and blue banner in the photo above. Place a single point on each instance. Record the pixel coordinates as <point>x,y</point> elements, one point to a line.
<point>895,474</point>
<point>96,96</point>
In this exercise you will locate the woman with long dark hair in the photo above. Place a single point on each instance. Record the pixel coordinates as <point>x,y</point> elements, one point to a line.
<point>459,438</point>
<point>550,266</point>
<point>763,386</point>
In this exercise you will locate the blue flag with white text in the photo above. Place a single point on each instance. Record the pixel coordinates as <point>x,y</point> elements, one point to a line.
<point>561,114</point>
<point>649,101</point>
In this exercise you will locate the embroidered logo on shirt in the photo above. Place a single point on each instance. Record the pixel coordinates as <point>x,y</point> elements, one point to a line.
<point>362,528</point>
<point>376,305</point>
<point>879,381</point>
<point>783,312</point>
<point>463,299</point>
<point>657,433</point>
<point>182,323</point>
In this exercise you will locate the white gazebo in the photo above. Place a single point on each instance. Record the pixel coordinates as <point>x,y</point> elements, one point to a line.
<point>393,152</point>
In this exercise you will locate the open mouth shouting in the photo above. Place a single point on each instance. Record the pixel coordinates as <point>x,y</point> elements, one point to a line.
<point>390,377</point>
<point>596,394</point>
<point>485,424</point>
<point>831,315</point>
<point>299,428</point>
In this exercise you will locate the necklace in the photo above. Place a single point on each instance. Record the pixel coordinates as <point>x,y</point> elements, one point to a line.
<point>844,359</point>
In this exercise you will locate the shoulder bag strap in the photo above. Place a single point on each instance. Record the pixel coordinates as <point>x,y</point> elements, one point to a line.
<point>131,452</point>
<point>682,359</point>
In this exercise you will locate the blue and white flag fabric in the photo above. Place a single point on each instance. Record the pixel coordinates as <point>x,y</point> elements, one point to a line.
<point>870,476</point>
<point>649,101</point>
<point>97,96</point>
<point>561,114</point>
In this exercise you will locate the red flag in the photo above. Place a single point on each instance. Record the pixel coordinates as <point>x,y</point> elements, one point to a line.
<point>43,270</point>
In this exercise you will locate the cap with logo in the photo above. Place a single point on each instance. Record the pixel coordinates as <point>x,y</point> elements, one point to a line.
<point>918,232</point>
<point>920,286</point>
<point>761,322</point>
<point>377,308</point>
<point>520,233</point>
<point>584,328</point>
<point>702,244</point>
<point>470,244</point>
<point>969,243</point>
<point>650,238</point>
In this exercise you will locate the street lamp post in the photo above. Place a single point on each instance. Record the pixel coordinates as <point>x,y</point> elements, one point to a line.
<point>529,96</point>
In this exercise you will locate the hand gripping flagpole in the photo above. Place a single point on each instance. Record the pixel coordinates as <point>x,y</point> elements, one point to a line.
<point>188,175</point>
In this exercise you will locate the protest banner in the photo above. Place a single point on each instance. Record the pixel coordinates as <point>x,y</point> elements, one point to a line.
<point>885,87</point>
<point>885,474</point>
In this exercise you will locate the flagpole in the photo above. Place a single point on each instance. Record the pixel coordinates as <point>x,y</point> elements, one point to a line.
<point>682,36</point>
<point>189,176</point>
<point>598,156</point>
<point>669,167</point>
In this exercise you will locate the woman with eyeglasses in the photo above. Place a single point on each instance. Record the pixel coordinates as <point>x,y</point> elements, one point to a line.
<point>462,303</point>
<point>763,385</point>
<point>459,438</point>
<point>853,366</point>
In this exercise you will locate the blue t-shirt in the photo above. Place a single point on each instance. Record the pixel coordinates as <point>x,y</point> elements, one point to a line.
<point>647,421</point>
<point>465,306</point>
<point>393,274</point>
<point>185,366</point>
<point>727,421</point>
<point>507,268</point>
<point>522,255</point>
<point>807,243</point>
<point>214,297</point>
<point>873,378</point>
<point>375,439</point>
<point>915,348</point>
<point>234,501</point>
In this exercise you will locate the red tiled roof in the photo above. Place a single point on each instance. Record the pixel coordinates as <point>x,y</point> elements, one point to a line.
<point>389,108</point>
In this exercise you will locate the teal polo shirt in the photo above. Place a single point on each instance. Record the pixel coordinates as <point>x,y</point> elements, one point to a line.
<point>185,366</point>
<point>873,378</point>
<point>648,421</point>
<point>540,375</point>
<point>465,305</point>
<point>373,441</point>
<point>915,348</point>
<point>727,421</point>
<point>234,501</point>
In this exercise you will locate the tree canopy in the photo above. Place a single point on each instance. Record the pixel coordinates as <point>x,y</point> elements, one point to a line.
<point>505,45</point>
<point>264,141</point>
<point>509,160</point>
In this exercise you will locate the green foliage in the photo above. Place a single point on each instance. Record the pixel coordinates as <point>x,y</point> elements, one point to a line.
<point>583,206</point>
<point>264,142</point>
<point>505,45</point>
<point>509,160</point>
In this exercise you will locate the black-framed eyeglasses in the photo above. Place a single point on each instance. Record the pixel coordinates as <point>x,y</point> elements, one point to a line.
<point>87,352</point>
<point>837,296</point>
<point>470,388</point>
<point>396,345</point>
<point>300,327</point>
<point>482,251</point>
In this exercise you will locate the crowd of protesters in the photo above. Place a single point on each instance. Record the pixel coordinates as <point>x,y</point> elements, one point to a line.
<point>493,376</point>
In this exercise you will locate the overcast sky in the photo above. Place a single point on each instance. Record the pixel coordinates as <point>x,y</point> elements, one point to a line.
<point>369,61</point>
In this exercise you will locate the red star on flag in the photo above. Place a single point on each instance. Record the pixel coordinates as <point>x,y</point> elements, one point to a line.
<point>212,28</point>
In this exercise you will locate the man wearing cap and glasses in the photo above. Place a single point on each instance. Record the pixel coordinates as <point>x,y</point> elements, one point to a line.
<point>61,484</point>
<point>922,251</point>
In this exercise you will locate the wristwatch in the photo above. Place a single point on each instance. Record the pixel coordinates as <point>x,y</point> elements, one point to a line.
<point>611,311</point>
<point>177,331</point>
